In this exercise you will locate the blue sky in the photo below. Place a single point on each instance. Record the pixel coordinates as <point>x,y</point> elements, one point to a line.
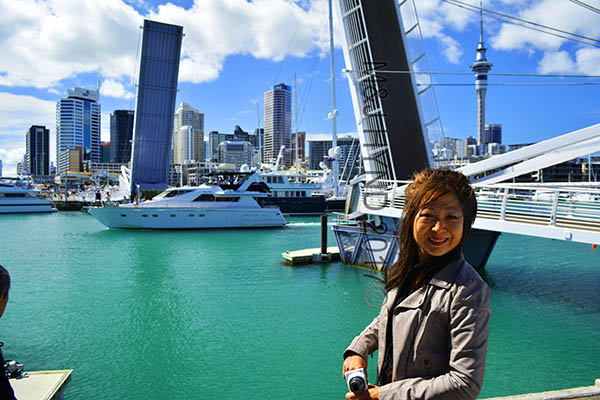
<point>235,50</point>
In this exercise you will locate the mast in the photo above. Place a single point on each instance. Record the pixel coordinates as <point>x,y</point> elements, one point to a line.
<point>296,101</point>
<point>334,166</point>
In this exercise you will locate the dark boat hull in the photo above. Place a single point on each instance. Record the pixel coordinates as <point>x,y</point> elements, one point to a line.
<point>315,205</point>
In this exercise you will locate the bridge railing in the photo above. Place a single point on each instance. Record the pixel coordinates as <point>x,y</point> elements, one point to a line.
<point>561,207</point>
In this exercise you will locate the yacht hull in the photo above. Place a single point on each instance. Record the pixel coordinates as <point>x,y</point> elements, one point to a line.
<point>187,217</point>
<point>42,207</point>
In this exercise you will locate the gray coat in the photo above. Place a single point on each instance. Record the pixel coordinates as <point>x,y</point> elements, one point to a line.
<point>440,337</point>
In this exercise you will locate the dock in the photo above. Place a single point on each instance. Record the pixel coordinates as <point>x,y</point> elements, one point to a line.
<point>41,385</point>
<point>309,256</point>
<point>580,393</point>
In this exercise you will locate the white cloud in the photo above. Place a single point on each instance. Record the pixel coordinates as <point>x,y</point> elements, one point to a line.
<point>44,42</point>
<point>558,54</point>
<point>113,88</point>
<point>17,114</point>
<point>588,61</point>
<point>556,62</point>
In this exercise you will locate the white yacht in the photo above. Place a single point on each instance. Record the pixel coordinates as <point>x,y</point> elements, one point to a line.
<point>223,205</point>
<point>16,197</point>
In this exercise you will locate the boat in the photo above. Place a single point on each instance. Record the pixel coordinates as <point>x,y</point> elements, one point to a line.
<point>220,203</point>
<point>17,197</point>
<point>295,193</point>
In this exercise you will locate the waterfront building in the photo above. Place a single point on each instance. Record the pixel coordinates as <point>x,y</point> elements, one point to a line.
<point>481,67</point>
<point>71,160</point>
<point>301,146</point>
<point>37,151</point>
<point>20,168</point>
<point>0,167</point>
<point>278,122</point>
<point>236,153</point>
<point>517,146</point>
<point>108,167</point>
<point>121,133</point>
<point>184,145</point>
<point>214,139</point>
<point>348,160</point>
<point>155,109</point>
<point>495,148</point>
<point>78,124</point>
<point>259,134</point>
<point>470,140</point>
<point>188,116</point>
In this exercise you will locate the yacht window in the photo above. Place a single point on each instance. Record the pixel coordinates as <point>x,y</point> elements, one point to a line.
<point>174,193</point>
<point>233,199</point>
<point>279,179</point>
<point>297,194</point>
<point>205,197</point>
<point>303,193</point>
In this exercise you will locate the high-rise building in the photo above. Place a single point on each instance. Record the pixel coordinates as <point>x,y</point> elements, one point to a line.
<point>186,115</point>
<point>492,133</point>
<point>78,124</point>
<point>0,167</point>
<point>480,67</point>
<point>121,134</point>
<point>37,151</point>
<point>278,122</point>
<point>184,145</point>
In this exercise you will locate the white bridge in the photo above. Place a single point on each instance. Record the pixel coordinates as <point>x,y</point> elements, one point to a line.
<point>543,210</point>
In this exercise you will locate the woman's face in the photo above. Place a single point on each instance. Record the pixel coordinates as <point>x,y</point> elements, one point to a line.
<point>438,227</point>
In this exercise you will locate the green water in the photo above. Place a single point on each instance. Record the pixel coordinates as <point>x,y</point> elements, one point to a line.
<point>215,314</point>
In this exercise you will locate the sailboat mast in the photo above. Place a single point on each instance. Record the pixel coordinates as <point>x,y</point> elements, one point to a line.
<point>334,166</point>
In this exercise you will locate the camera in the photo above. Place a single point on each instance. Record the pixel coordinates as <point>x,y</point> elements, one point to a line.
<point>356,380</point>
<point>13,369</point>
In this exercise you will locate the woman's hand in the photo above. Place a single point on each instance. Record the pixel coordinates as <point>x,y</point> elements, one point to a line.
<point>354,362</point>
<point>372,393</point>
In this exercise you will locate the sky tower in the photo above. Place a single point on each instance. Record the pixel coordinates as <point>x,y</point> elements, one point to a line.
<point>480,67</point>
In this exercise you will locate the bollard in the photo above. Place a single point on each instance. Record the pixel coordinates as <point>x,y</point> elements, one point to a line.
<point>324,234</point>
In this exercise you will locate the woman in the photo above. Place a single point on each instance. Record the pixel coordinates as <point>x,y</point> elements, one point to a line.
<point>432,329</point>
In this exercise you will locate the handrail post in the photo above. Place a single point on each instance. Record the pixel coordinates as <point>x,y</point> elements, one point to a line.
<point>504,202</point>
<point>554,208</point>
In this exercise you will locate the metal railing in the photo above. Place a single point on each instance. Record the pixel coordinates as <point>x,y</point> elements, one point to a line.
<point>511,208</point>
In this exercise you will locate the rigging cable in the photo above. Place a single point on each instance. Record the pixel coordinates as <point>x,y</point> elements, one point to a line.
<point>585,5</point>
<point>490,73</point>
<point>503,17</point>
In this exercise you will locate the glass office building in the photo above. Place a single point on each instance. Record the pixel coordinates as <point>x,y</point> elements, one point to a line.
<point>78,124</point>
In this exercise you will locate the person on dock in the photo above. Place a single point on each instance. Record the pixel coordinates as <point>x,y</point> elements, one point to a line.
<point>432,330</point>
<point>6,391</point>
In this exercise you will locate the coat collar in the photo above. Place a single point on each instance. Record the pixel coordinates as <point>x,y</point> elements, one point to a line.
<point>447,275</point>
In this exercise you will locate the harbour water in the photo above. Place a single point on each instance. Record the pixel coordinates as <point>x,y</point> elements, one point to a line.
<point>216,314</point>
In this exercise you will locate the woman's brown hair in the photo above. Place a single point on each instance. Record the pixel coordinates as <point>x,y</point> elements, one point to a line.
<point>429,185</point>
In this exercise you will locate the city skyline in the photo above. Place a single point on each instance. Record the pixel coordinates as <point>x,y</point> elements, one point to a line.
<point>234,51</point>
